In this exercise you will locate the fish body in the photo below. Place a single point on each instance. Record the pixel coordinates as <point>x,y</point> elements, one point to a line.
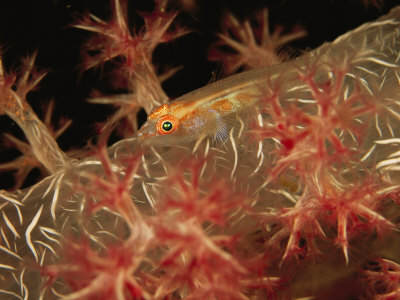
<point>202,112</point>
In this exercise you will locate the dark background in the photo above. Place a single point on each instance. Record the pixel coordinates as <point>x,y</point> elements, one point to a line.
<point>44,25</point>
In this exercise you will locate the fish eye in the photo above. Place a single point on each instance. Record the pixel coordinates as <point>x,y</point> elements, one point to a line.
<point>167,126</point>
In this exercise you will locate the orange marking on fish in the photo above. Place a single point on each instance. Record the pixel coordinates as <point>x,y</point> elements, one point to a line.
<point>158,112</point>
<point>242,98</point>
<point>187,117</point>
<point>223,105</point>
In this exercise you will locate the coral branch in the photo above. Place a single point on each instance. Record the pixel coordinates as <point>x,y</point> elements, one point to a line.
<point>132,52</point>
<point>256,46</point>
<point>13,91</point>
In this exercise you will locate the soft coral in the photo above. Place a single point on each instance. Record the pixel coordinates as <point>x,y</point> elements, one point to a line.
<point>132,52</point>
